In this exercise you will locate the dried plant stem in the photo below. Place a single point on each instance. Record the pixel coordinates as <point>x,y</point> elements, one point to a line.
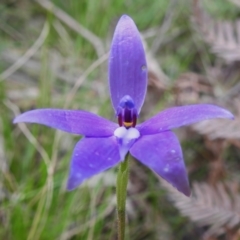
<point>73,24</point>
<point>122,181</point>
<point>27,55</point>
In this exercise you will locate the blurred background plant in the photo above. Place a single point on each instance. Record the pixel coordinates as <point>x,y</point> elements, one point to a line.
<point>54,54</point>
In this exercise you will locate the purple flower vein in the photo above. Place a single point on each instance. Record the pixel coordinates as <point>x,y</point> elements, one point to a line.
<point>106,143</point>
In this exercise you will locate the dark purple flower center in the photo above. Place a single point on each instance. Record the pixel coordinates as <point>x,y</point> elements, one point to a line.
<point>126,112</point>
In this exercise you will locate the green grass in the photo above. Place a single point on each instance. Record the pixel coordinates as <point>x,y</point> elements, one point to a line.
<point>35,204</point>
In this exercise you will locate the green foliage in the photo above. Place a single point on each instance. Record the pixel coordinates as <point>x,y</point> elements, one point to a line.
<point>33,201</point>
<point>223,9</point>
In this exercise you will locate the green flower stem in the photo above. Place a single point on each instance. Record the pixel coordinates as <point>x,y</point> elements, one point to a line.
<point>122,181</point>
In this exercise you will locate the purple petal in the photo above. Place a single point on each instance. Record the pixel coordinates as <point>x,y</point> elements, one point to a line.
<point>179,116</point>
<point>90,157</point>
<point>127,64</point>
<point>73,121</point>
<point>162,153</point>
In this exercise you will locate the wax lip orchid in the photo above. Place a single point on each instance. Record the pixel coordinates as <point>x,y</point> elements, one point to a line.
<point>105,143</point>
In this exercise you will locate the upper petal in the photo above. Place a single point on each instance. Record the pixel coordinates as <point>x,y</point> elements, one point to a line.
<point>127,64</point>
<point>162,153</point>
<point>73,121</point>
<point>92,156</point>
<point>180,116</point>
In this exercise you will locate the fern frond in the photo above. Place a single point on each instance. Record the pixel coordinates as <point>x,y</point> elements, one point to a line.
<point>219,128</point>
<point>222,36</point>
<point>216,208</point>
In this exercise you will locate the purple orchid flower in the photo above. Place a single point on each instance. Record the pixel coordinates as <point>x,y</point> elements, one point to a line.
<point>105,143</point>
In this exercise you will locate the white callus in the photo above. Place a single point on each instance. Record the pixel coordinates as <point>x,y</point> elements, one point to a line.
<point>126,137</point>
